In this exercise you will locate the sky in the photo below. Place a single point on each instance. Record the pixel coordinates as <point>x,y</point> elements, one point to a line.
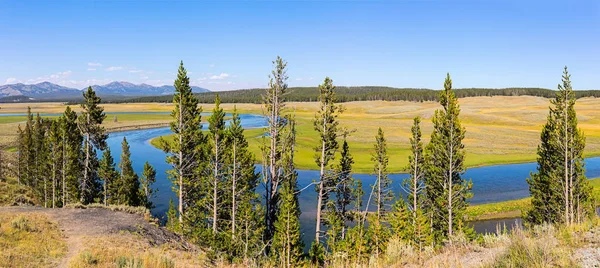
<point>231,44</point>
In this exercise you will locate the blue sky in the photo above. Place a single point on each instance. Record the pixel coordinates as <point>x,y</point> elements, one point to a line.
<point>230,45</point>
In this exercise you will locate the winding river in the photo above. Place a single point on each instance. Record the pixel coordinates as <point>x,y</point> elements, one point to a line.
<point>490,183</point>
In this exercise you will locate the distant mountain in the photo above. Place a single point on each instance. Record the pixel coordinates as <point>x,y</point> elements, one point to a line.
<point>129,89</point>
<point>44,90</point>
<point>49,91</point>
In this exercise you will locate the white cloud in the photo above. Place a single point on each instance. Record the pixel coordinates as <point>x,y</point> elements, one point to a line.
<point>298,79</point>
<point>94,64</point>
<point>144,77</point>
<point>11,80</point>
<point>211,66</point>
<point>114,68</point>
<point>219,77</point>
<point>135,71</point>
<point>91,69</point>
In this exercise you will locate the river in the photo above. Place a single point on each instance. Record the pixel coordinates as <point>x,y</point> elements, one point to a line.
<point>490,183</point>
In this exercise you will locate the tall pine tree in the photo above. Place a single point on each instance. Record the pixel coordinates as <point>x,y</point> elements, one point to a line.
<point>184,152</point>
<point>90,125</point>
<point>287,239</point>
<point>560,191</point>
<point>326,125</point>
<point>129,183</point>
<point>446,190</point>
<point>274,103</point>
<point>146,180</point>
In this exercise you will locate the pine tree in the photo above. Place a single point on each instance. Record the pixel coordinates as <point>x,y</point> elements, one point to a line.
<point>560,191</point>
<point>243,180</point>
<point>274,103</point>
<point>287,239</point>
<point>90,125</point>
<point>146,180</point>
<point>446,190</point>
<point>109,176</point>
<point>40,174</point>
<point>129,184</point>
<point>216,128</point>
<point>382,192</point>
<point>345,207</point>
<point>326,125</point>
<point>55,144</point>
<point>21,155</point>
<point>72,151</point>
<point>415,186</point>
<point>184,153</point>
<point>28,153</point>
<point>172,218</point>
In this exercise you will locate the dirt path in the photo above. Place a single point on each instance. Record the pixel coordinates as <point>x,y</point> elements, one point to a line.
<point>79,224</point>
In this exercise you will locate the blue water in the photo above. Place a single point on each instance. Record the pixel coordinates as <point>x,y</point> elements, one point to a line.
<point>490,183</point>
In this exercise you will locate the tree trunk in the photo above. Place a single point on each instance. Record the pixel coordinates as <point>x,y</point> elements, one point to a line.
<point>233,191</point>
<point>64,170</point>
<point>566,144</point>
<point>320,197</point>
<point>415,172</point>
<point>180,205</point>
<point>216,183</point>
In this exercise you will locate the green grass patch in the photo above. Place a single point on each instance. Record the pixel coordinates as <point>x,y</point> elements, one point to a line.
<point>512,208</point>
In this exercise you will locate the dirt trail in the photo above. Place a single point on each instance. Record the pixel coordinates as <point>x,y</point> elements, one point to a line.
<point>79,224</point>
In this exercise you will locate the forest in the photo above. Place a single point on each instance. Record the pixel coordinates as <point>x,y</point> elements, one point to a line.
<point>364,93</point>
<point>244,215</point>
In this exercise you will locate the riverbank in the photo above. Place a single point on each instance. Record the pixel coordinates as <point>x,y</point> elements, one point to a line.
<point>512,208</point>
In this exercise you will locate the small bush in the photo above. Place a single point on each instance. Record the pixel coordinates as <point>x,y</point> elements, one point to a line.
<point>88,258</point>
<point>21,223</point>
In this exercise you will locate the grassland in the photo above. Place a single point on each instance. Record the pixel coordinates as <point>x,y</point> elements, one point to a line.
<point>30,240</point>
<point>500,129</point>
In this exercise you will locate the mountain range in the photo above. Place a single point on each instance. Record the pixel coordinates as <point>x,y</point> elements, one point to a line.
<point>47,90</point>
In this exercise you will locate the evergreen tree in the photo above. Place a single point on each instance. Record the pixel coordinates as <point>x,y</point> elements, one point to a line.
<point>110,177</point>
<point>90,125</point>
<point>274,103</point>
<point>287,239</point>
<point>129,183</point>
<point>415,186</point>
<point>72,167</point>
<point>55,159</point>
<point>560,191</point>
<point>40,168</point>
<point>28,152</point>
<point>21,163</point>
<point>326,125</point>
<point>381,192</point>
<point>146,191</point>
<point>172,218</point>
<point>382,188</point>
<point>184,154</point>
<point>345,207</point>
<point>446,190</point>
<point>246,226</point>
<point>216,127</point>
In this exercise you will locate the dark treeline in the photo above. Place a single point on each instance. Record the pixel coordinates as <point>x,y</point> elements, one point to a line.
<point>364,93</point>
<point>58,160</point>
